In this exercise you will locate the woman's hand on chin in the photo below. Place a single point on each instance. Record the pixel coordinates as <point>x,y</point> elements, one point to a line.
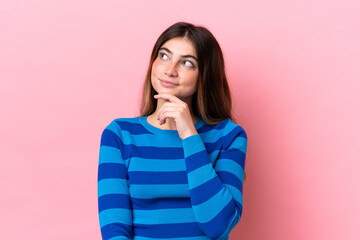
<point>179,111</point>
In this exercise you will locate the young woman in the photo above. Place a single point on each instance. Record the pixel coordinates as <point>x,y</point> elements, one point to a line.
<point>177,170</point>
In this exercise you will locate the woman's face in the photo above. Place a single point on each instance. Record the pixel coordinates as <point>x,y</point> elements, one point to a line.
<point>175,69</point>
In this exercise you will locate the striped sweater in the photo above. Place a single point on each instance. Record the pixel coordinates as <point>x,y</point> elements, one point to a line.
<point>154,185</point>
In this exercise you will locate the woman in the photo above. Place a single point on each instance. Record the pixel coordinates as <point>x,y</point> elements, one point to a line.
<point>177,170</point>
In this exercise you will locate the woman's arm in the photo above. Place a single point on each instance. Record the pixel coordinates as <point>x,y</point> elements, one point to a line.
<point>115,212</point>
<point>216,192</point>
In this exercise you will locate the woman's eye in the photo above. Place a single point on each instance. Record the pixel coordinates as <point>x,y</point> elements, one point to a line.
<point>163,56</point>
<point>188,64</point>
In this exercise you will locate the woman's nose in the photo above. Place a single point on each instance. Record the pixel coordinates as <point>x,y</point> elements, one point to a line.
<point>171,70</point>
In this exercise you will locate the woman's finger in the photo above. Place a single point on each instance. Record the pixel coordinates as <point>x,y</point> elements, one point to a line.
<point>169,113</point>
<point>164,113</point>
<point>166,104</point>
<point>168,97</point>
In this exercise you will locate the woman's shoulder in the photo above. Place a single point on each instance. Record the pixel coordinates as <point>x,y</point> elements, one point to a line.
<point>239,127</point>
<point>121,123</point>
<point>227,125</point>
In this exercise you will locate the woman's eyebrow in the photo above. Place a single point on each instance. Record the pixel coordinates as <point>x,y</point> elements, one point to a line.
<point>184,56</point>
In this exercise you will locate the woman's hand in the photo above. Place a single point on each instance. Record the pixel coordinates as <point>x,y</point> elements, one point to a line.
<point>179,111</point>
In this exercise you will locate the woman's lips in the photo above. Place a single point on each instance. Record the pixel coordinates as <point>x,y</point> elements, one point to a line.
<point>167,83</point>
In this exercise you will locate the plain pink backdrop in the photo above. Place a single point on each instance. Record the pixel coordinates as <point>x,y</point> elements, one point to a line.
<point>68,68</point>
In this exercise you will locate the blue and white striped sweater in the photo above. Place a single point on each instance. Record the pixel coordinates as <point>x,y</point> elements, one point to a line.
<point>153,185</point>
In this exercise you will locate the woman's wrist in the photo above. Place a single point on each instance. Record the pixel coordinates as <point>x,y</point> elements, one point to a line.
<point>189,134</point>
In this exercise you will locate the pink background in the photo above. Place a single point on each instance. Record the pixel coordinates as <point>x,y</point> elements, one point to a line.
<point>68,68</point>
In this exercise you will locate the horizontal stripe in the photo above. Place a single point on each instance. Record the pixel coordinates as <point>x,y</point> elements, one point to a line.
<point>231,179</point>
<point>228,165</point>
<point>110,155</point>
<point>234,138</point>
<point>239,143</point>
<point>146,140</point>
<point>168,153</point>
<point>151,152</point>
<point>208,210</point>
<point>156,165</point>
<point>219,126</point>
<point>161,203</point>
<point>163,216</point>
<point>201,175</point>
<point>134,128</point>
<point>115,215</point>
<point>235,155</point>
<point>192,162</point>
<point>213,135</point>
<point>142,177</point>
<point>111,139</point>
<point>180,238</point>
<point>162,190</point>
<point>217,226</point>
<point>223,143</point>
<point>112,170</point>
<point>155,152</point>
<point>193,144</point>
<point>120,238</point>
<point>112,231</point>
<point>114,201</point>
<point>205,191</point>
<point>228,139</point>
<point>168,230</point>
<point>112,186</point>
<point>165,141</point>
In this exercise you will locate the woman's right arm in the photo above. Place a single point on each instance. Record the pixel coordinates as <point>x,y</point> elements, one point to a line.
<point>114,205</point>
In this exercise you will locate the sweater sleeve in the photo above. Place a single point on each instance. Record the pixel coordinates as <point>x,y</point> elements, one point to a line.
<point>114,204</point>
<point>216,192</point>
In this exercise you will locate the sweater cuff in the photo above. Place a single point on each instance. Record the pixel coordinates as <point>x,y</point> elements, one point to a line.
<point>192,144</point>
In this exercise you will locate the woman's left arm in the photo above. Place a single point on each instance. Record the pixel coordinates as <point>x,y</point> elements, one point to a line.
<point>216,192</point>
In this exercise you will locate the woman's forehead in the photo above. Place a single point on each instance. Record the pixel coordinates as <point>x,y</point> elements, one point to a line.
<point>180,46</point>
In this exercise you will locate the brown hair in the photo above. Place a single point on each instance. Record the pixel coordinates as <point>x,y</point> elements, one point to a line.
<point>212,99</point>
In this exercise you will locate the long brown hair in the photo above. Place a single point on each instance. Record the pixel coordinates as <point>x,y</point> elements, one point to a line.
<point>212,99</point>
